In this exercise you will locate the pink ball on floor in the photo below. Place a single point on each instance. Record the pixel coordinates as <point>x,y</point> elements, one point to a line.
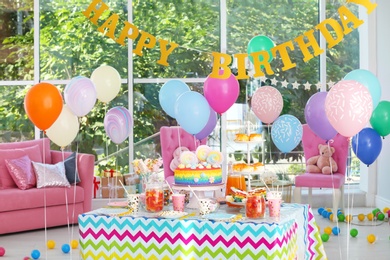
<point>2,251</point>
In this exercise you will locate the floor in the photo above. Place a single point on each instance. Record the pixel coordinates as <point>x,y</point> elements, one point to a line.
<point>342,246</point>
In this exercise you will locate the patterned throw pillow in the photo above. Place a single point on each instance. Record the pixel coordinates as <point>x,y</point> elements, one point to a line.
<point>50,175</point>
<point>21,172</point>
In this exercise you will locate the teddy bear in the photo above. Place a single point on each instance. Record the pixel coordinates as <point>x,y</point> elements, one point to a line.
<point>322,163</point>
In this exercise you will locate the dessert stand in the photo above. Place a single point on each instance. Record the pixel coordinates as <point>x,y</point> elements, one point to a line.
<point>199,191</point>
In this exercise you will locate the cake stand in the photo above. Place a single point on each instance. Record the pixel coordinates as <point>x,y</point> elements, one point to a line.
<point>198,190</point>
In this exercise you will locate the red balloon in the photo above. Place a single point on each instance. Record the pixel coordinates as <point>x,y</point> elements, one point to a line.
<point>43,105</point>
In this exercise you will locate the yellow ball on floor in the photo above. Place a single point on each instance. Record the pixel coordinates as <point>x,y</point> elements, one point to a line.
<point>51,244</point>
<point>361,217</point>
<point>370,216</point>
<point>385,209</point>
<point>348,218</point>
<point>328,230</point>
<point>371,238</point>
<point>74,244</point>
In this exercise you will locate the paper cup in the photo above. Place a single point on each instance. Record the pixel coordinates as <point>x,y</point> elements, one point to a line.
<point>207,206</point>
<point>178,201</point>
<point>133,202</point>
<point>274,206</point>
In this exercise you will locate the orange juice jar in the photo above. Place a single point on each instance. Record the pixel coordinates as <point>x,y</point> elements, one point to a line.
<point>154,197</point>
<point>236,181</point>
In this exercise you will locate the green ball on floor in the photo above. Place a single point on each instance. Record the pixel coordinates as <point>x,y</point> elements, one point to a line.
<point>353,232</point>
<point>324,237</point>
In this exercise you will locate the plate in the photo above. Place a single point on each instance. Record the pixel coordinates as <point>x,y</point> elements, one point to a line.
<point>219,216</point>
<point>237,203</point>
<point>172,214</point>
<point>111,211</point>
<point>117,204</point>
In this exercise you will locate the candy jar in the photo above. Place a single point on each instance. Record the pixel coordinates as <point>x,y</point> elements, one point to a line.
<point>255,205</point>
<point>154,197</point>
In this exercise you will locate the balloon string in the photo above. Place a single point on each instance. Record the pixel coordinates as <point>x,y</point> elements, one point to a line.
<point>44,190</point>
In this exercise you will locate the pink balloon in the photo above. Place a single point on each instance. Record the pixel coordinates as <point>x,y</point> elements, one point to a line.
<point>348,107</point>
<point>80,95</point>
<point>267,104</point>
<point>221,94</point>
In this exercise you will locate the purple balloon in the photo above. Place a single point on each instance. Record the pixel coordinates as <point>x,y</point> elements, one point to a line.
<point>316,117</point>
<point>209,126</point>
<point>118,124</point>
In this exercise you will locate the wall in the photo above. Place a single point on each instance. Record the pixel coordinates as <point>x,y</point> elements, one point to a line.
<point>383,74</point>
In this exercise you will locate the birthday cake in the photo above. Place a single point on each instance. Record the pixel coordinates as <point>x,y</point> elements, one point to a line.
<point>202,167</point>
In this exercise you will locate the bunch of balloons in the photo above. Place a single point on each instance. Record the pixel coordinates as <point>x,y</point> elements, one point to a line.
<point>45,107</point>
<point>347,108</point>
<point>194,112</point>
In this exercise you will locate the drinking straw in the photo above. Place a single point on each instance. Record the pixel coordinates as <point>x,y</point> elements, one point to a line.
<point>196,196</point>
<point>123,186</point>
<point>265,184</point>
<point>169,186</point>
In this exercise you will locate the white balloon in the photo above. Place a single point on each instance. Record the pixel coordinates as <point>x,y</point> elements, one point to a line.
<point>65,128</point>
<point>107,82</point>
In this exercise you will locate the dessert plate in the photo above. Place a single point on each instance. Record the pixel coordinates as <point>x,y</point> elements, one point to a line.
<point>172,214</point>
<point>117,204</point>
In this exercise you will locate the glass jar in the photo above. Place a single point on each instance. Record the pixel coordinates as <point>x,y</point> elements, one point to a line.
<point>154,197</point>
<point>255,206</point>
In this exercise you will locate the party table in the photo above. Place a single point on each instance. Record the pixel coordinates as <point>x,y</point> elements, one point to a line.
<point>292,236</point>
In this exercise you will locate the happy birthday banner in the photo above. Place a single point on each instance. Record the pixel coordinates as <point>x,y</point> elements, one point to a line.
<point>330,28</point>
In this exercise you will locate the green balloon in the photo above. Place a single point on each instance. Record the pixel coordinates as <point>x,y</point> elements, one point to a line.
<point>353,232</point>
<point>260,43</point>
<point>380,118</point>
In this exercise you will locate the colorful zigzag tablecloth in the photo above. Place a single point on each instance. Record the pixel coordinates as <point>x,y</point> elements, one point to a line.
<point>293,236</point>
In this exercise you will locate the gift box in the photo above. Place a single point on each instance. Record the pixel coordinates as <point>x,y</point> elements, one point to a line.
<point>111,187</point>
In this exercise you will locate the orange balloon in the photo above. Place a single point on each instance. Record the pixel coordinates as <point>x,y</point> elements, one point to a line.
<point>43,105</point>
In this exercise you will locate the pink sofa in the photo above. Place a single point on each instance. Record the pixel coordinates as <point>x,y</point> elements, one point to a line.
<point>22,210</point>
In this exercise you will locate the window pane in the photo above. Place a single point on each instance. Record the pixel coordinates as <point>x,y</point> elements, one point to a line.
<point>16,40</point>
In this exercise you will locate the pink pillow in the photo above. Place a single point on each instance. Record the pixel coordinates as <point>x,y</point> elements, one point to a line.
<point>50,175</point>
<point>21,172</point>
<point>33,152</point>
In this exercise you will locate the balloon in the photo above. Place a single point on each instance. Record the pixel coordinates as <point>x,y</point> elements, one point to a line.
<point>348,107</point>
<point>286,133</point>
<point>107,82</point>
<point>65,128</point>
<point>209,127</point>
<point>267,104</point>
<point>370,81</point>
<point>80,95</point>
<point>169,93</point>
<point>260,43</point>
<point>192,112</point>
<point>367,145</point>
<point>221,94</point>
<point>43,104</point>
<point>316,117</point>
<point>380,118</point>
<point>118,124</point>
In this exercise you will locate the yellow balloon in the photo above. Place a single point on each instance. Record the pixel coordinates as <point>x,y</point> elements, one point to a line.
<point>107,82</point>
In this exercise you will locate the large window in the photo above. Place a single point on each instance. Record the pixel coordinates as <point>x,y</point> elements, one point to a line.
<point>69,44</point>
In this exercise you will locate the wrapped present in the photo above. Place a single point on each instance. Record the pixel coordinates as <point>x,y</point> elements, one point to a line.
<point>111,187</point>
<point>96,182</point>
<point>110,173</point>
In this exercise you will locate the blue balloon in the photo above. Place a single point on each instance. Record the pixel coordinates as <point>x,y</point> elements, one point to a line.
<point>209,127</point>
<point>286,133</point>
<point>370,81</point>
<point>367,145</point>
<point>192,112</point>
<point>169,93</point>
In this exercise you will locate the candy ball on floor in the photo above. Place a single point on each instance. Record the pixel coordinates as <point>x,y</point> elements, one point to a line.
<point>324,237</point>
<point>353,232</point>
<point>2,251</point>
<point>371,238</point>
<point>65,248</point>
<point>74,244</point>
<point>35,254</point>
<point>51,244</point>
<point>336,231</point>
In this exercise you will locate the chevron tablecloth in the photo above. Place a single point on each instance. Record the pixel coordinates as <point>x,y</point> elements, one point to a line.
<point>294,236</point>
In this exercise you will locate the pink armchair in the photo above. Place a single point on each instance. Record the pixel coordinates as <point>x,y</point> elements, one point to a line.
<point>170,139</point>
<point>334,181</point>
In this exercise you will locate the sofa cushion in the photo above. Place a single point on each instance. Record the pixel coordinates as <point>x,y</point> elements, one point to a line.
<point>50,175</point>
<point>44,147</point>
<point>33,153</point>
<point>71,169</point>
<point>16,199</point>
<point>21,172</point>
